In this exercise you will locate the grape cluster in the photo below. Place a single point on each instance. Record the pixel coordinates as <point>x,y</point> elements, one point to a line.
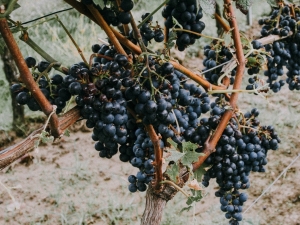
<point>112,14</point>
<point>281,17</point>
<point>54,89</point>
<point>242,148</point>
<point>187,15</point>
<point>216,54</point>
<point>148,32</point>
<point>283,53</point>
<point>143,158</point>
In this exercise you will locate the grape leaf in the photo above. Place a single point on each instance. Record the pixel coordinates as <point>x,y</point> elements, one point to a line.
<point>189,146</point>
<point>67,133</point>
<point>197,196</point>
<point>190,157</point>
<point>4,2</point>
<point>101,3</point>
<point>171,142</point>
<point>173,172</point>
<point>176,23</point>
<point>186,209</point>
<point>208,6</point>
<point>2,46</point>
<point>172,37</point>
<point>175,155</point>
<point>244,5</point>
<point>198,173</point>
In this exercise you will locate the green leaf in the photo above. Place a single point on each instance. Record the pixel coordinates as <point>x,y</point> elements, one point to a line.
<point>4,2</point>
<point>190,157</point>
<point>44,136</point>
<point>101,3</point>
<point>197,196</point>
<point>175,155</point>
<point>67,133</point>
<point>209,7</point>
<point>173,172</point>
<point>186,209</point>
<point>2,83</point>
<point>189,146</point>
<point>2,46</point>
<point>200,172</point>
<point>244,5</point>
<point>173,143</point>
<point>176,23</point>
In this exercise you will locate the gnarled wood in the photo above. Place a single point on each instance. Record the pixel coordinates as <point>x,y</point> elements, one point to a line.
<point>12,153</point>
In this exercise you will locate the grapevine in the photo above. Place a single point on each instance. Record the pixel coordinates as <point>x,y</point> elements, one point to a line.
<point>141,103</point>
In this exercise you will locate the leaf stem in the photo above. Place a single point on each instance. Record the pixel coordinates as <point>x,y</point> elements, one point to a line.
<point>72,39</point>
<point>198,34</point>
<point>175,186</point>
<point>152,13</point>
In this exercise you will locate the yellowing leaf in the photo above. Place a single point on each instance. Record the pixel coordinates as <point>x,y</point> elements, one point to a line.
<point>194,185</point>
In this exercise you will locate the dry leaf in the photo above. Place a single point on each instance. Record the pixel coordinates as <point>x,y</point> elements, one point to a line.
<point>195,185</point>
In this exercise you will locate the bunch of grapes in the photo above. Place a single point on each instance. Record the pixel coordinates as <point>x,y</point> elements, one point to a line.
<point>216,54</point>
<point>112,13</point>
<point>188,16</point>
<point>283,53</point>
<point>149,32</point>
<point>55,89</point>
<point>242,148</point>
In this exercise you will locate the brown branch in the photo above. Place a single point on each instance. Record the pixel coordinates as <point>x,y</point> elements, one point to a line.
<point>137,34</point>
<point>209,148</point>
<point>158,156</point>
<point>224,25</point>
<point>12,153</point>
<point>100,20</point>
<point>197,78</point>
<point>132,47</point>
<point>27,78</point>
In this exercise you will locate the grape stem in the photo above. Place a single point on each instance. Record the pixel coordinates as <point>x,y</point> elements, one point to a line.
<point>27,78</point>
<point>152,13</point>
<point>219,19</point>
<point>198,34</point>
<point>176,187</point>
<point>72,39</point>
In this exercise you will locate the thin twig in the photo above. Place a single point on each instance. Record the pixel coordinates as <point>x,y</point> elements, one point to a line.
<point>72,39</point>
<point>266,190</point>
<point>176,187</point>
